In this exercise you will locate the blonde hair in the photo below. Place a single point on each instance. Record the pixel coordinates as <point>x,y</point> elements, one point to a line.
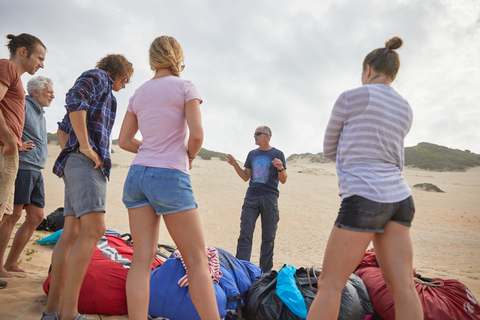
<point>385,60</point>
<point>166,52</point>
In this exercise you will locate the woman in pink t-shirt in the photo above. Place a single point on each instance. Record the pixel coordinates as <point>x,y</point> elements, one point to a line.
<point>166,110</point>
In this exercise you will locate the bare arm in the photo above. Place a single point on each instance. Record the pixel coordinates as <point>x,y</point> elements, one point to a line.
<point>78,120</point>
<point>62,138</point>
<point>194,122</point>
<point>245,174</point>
<point>282,176</point>
<point>6,136</point>
<point>126,139</point>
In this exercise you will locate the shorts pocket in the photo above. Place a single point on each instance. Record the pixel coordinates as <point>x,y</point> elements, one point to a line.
<point>165,189</point>
<point>367,207</point>
<point>411,204</point>
<point>129,181</point>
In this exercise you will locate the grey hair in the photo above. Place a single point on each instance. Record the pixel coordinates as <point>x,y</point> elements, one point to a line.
<point>38,83</point>
<point>267,130</point>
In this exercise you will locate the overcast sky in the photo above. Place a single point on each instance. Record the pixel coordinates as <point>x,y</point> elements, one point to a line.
<point>279,63</point>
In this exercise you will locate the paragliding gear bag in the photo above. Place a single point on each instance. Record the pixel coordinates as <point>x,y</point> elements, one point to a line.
<point>263,303</point>
<point>53,222</point>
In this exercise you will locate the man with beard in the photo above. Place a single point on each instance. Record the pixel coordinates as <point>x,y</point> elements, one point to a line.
<point>27,54</point>
<point>29,188</point>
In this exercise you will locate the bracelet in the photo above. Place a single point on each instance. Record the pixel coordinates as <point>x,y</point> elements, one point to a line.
<point>85,150</point>
<point>192,158</point>
<point>281,170</point>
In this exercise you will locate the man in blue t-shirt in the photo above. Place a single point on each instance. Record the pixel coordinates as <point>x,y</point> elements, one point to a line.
<point>264,167</point>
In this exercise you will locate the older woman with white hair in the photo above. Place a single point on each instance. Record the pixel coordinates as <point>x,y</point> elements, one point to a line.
<point>29,188</point>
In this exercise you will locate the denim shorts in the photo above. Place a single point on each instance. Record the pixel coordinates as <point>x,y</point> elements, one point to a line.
<point>166,190</point>
<point>29,188</point>
<point>360,214</point>
<point>85,187</point>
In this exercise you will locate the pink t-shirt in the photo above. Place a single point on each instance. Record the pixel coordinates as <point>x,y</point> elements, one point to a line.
<point>159,105</point>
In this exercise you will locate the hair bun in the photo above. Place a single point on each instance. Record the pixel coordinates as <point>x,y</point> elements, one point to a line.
<point>394,43</point>
<point>10,36</point>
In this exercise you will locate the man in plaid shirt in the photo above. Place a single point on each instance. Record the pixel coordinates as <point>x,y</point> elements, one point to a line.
<point>84,164</point>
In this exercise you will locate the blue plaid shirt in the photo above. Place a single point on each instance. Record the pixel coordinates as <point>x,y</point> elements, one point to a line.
<point>91,92</point>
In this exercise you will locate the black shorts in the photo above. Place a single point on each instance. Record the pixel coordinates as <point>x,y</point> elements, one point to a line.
<point>29,188</point>
<point>360,214</point>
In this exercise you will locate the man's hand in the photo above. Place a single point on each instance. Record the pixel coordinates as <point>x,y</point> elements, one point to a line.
<point>90,153</point>
<point>27,146</point>
<point>277,163</point>
<point>231,160</point>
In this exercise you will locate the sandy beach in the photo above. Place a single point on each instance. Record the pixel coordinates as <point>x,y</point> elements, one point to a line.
<point>445,230</point>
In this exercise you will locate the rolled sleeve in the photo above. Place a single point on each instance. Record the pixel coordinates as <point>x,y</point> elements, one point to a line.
<point>83,93</point>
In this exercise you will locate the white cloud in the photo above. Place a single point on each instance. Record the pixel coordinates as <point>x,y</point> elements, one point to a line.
<point>278,63</point>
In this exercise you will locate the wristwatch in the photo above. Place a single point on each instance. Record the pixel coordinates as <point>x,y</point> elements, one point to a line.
<point>281,170</point>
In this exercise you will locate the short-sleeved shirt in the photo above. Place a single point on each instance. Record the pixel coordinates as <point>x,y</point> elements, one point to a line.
<point>36,130</point>
<point>264,178</point>
<point>159,105</point>
<point>13,103</point>
<point>93,93</point>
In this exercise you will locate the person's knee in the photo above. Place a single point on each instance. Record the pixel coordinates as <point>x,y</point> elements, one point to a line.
<point>397,285</point>
<point>331,283</point>
<point>15,216</point>
<point>144,257</point>
<point>35,217</point>
<point>93,232</point>
<point>195,258</point>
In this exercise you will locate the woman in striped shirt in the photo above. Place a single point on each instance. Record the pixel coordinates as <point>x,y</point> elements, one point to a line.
<point>365,137</point>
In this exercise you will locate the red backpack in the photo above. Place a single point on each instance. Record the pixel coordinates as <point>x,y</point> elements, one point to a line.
<point>441,299</point>
<point>103,288</point>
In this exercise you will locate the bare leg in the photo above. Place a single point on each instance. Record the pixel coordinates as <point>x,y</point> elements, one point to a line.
<point>394,253</point>
<point>60,253</point>
<point>344,251</point>
<point>5,233</point>
<point>186,230</point>
<point>144,226</point>
<point>23,235</point>
<point>92,228</point>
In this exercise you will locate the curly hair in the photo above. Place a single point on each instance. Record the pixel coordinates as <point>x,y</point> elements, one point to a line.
<point>23,40</point>
<point>117,66</point>
<point>385,60</point>
<point>166,52</point>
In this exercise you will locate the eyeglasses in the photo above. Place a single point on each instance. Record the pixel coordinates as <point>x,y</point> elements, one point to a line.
<point>259,133</point>
<point>182,66</point>
<point>126,81</point>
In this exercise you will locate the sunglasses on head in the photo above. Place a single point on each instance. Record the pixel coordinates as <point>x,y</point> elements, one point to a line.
<point>259,133</point>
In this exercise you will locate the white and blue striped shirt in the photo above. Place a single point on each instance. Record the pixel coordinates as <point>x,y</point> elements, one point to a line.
<point>365,137</point>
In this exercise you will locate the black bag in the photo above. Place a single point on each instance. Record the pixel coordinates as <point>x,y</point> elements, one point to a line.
<point>263,303</point>
<point>53,222</point>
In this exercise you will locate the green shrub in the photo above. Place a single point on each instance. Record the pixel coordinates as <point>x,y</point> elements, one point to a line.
<point>430,156</point>
<point>428,187</point>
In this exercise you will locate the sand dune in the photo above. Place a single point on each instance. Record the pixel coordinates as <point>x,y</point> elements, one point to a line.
<point>445,230</point>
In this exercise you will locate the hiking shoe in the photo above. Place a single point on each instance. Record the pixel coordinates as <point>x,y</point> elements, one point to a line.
<point>82,317</point>
<point>49,316</point>
<point>3,284</point>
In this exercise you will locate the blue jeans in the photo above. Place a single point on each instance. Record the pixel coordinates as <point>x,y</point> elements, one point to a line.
<point>253,206</point>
